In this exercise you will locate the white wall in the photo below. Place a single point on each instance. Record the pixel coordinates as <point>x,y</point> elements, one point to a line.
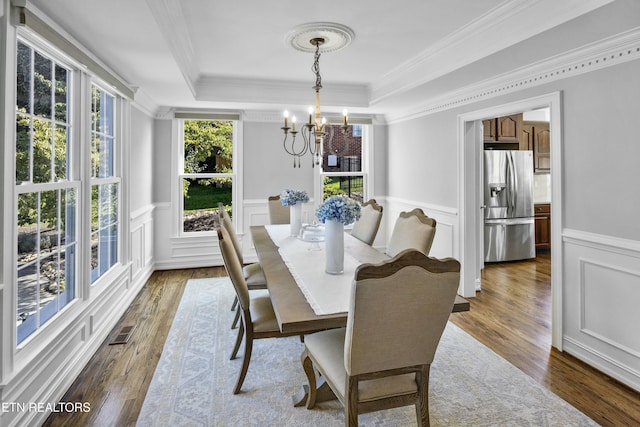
<point>268,168</point>
<point>141,154</point>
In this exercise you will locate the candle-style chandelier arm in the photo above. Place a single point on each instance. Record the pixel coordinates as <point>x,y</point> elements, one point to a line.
<point>291,150</point>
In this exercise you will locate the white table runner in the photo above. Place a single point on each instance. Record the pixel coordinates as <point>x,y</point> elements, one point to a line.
<point>326,293</point>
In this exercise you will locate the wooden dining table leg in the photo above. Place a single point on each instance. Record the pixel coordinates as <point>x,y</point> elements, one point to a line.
<point>308,397</point>
<point>323,394</point>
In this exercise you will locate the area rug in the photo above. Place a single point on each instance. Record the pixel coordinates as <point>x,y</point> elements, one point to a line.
<point>470,385</point>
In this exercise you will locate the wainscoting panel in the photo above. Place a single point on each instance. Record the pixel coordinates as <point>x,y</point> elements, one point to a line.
<point>609,286</point>
<point>601,297</point>
<point>172,251</point>
<point>141,242</point>
<point>56,364</point>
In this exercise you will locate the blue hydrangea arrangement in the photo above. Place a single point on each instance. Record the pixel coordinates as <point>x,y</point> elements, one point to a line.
<point>291,197</point>
<point>339,208</point>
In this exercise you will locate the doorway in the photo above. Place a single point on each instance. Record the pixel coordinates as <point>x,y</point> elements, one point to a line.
<point>470,149</point>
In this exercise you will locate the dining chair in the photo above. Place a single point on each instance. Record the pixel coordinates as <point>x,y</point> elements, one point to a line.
<point>252,272</point>
<point>412,230</point>
<point>258,320</point>
<point>278,214</point>
<point>381,360</point>
<point>366,228</point>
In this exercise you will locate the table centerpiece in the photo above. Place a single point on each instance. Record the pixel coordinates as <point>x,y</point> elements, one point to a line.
<point>335,213</point>
<point>294,199</point>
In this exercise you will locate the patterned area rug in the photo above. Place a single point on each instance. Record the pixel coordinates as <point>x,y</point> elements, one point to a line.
<point>470,385</point>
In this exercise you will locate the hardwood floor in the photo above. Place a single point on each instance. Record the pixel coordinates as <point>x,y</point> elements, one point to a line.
<point>511,316</point>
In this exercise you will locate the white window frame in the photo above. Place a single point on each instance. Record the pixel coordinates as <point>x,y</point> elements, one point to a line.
<point>115,178</point>
<point>178,167</point>
<point>72,182</point>
<point>366,172</point>
<point>78,179</point>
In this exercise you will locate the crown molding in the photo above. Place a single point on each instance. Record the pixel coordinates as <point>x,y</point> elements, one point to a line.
<point>609,52</point>
<point>144,103</point>
<point>521,19</point>
<point>240,90</point>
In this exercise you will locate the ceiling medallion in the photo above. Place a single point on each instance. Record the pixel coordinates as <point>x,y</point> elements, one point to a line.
<point>335,36</point>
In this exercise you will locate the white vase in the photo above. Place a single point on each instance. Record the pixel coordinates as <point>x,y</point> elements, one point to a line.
<point>334,246</point>
<point>295,218</point>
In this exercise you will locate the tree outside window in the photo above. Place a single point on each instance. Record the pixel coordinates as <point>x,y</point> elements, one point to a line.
<point>207,177</point>
<point>47,196</point>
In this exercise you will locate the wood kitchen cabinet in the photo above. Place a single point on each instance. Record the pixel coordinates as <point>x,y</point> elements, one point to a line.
<point>503,132</point>
<point>535,136</point>
<point>542,220</point>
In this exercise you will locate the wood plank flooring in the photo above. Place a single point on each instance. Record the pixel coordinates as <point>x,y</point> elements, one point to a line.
<point>511,316</point>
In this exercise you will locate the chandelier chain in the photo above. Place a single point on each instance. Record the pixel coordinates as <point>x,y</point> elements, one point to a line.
<point>316,66</point>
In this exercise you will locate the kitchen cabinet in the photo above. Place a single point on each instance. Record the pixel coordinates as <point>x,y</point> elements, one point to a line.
<point>542,220</point>
<point>503,132</point>
<point>535,136</point>
<point>502,129</point>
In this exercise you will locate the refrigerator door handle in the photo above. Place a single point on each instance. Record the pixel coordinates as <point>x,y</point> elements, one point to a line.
<point>512,185</point>
<point>509,221</point>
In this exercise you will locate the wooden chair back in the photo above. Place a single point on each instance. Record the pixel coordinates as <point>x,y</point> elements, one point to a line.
<point>412,230</point>
<point>234,268</point>
<point>366,228</point>
<point>399,311</point>
<point>278,214</point>
<point>227,224</point>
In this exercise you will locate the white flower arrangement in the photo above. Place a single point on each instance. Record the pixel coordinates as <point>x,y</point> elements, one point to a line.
<point>291,197</point>
<point>339,208</point>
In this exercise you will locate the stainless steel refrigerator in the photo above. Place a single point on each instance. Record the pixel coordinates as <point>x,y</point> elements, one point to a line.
<point>509,232</point>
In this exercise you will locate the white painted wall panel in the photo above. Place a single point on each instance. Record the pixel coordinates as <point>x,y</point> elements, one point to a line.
<point>610,296</point>
<point>601,294</point>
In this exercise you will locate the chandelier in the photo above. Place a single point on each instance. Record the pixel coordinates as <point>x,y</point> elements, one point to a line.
<point>313,131</point>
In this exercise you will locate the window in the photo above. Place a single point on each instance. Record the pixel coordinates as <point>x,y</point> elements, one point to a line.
<point>342,165</point>
<point>105,184</point>
<point>207,175</point>
<point>47,194</point>
<point>50,185</point>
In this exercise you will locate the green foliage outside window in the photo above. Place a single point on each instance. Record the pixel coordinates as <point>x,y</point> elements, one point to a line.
<point>208,148</point>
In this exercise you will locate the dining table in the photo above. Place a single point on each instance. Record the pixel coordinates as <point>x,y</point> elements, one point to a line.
<point>294,304</point>
<point>305,299</point>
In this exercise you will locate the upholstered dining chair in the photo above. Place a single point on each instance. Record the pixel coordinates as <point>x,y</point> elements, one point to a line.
<point>381,360</point>
<point>258,320</point>
<point>413,230</point>
<point>366,228</point>
<point>278,214</point>
<point>252,272</point>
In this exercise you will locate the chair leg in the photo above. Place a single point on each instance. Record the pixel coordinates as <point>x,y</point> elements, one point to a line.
<point>248,347</point>
<point>235,303</point>
<point>351,402</point>
<point>238,340</point>
<point>307,365</point>
<point>422,405</point>
<point>235,319</point>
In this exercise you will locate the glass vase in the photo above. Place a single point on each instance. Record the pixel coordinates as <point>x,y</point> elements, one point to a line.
<point>295,218</point>
<point>334,246</point>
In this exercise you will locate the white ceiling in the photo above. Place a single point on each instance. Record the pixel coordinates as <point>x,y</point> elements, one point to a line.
<point>233,53</point>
